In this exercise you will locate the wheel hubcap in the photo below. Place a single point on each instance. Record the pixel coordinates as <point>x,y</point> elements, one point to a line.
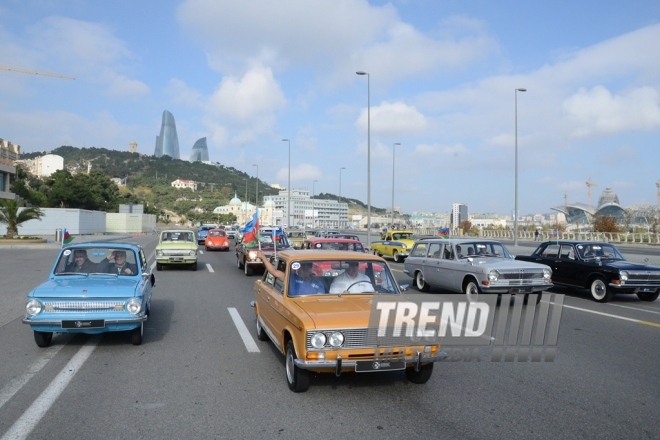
<point>598,290</point>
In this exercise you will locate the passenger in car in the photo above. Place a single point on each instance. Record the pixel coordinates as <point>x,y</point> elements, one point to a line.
<point>80,263</point>
<point>302,282</point>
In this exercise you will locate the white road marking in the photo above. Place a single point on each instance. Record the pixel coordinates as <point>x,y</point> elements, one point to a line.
<point>635,308</point>
<point>243,331</point>
<point>17,383</point>
<point>201,252</point>
<point>609,315</point>
<point>208,266</point>
<point>31,417</point>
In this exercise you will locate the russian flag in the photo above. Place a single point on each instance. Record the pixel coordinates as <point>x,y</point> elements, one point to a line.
<point>444,232</point>
<point>251,231</point>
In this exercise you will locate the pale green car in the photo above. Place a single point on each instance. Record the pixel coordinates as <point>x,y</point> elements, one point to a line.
<point>177,247</point>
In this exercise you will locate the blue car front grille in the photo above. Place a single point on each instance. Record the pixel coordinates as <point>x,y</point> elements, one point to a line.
<point>83,306</point>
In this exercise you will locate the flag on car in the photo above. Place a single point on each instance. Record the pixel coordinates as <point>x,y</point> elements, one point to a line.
<point>444,232</point>
<point>66,237</point>
<point>251,231</point>
<point>277,233</point>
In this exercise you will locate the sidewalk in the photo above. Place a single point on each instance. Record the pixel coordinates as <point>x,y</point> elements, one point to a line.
<point>52,244</point>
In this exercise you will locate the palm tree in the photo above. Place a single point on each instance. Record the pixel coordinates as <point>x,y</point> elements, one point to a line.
<point>10,216</point>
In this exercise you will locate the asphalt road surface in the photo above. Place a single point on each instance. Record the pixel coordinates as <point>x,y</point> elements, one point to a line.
<point>198,374</point>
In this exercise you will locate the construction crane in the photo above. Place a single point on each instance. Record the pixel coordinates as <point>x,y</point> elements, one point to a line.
<point>590,184</point>
<point>35,72</point>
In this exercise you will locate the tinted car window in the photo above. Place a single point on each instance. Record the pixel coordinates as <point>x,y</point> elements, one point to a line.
<point>419,250</point>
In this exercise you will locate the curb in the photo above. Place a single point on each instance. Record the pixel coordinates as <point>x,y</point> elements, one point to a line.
<point>53,245</point>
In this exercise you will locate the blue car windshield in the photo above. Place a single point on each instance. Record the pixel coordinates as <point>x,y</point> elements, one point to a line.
<point>97,260</point>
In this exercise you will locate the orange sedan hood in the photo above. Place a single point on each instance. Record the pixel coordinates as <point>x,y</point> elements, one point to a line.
<point>334,311</point>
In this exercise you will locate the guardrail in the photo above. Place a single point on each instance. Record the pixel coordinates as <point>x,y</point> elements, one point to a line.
<point>613,237</point>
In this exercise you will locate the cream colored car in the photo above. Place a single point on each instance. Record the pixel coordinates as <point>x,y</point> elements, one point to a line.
<point>177,247</point>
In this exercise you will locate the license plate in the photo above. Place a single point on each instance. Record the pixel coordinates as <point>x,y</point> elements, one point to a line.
<point>647,289</point>
<point>84,323</point>
<point>370,366</point>
<point>521,290</point>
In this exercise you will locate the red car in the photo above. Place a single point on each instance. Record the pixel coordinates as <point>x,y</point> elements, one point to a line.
<point>339,244</point>
<point>216,240</point>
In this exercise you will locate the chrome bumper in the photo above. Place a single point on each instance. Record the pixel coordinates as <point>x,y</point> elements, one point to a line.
<point>137,319</point>
<point>338,364</point>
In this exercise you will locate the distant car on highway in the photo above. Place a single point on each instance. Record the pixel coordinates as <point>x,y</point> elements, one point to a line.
<point>473,266</point>
<point>395,244</point>
<point>216,240</point>
<point>337,244</point>
<point>176,247</point>
<point>246,254</point>
<point>203,231</point>
<point>93,288</point>
<point>596,266</point>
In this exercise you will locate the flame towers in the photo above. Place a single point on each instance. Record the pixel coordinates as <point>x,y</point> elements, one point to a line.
<point>200,151</point>
<point>167,143</point>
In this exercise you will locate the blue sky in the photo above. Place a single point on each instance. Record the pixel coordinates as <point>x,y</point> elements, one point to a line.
<point>442,79</point>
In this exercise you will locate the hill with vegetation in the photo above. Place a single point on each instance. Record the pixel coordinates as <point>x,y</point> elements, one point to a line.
<point>146,180</point>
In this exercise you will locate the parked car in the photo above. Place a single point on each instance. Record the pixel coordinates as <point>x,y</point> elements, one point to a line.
<point>338,244</point>
<point>246,255</point>
<point>327,332</point>
<point>596,266</point>
<point>93,288</point>
<point>216,240</point>
<point>176,247</point>
<point>395,244</point>
<point>473,266</point>
<point>296,238</point>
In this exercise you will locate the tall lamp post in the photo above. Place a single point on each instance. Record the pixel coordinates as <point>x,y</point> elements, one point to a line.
<point>245,202</point>
<point>256,187</point>
<point>339,223</point>
<point>393,149</point>
<point>368,158</point>
<point>515,208</point>
<point>288,189</point>
<point>313,196</point>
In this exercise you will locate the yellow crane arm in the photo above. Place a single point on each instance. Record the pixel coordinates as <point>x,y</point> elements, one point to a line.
<point>35,72</point>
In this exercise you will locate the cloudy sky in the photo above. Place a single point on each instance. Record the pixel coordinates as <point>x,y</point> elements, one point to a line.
<point>442,81</point>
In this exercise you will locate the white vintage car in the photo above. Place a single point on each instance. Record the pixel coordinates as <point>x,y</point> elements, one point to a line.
<point>473,266</point>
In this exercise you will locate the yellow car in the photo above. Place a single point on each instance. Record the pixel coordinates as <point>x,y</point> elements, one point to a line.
<point>316,308</point>
<point>396,244</point>
<point>177,247</point>
<point>296,238</point>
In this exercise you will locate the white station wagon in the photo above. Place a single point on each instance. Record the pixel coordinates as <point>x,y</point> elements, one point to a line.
<point>473,266</point>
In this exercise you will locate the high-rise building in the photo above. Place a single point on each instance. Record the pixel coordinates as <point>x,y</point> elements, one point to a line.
<point>167,143</point>
<point>200,151</point>
<point>459,214</point>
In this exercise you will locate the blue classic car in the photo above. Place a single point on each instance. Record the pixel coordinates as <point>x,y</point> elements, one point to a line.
<point>93,288</point>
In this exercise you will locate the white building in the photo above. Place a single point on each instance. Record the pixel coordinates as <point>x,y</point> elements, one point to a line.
<point>8,154</point>
<point>243,211</point>
<point>43,166</point>
<point>178,183</point>
<point>322,213</point>
<point>459,213</point>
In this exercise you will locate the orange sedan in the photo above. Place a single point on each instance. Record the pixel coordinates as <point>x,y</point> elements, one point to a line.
<point>216,240</point>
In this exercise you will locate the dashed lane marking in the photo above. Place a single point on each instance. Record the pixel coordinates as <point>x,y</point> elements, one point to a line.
<point>243,331</point>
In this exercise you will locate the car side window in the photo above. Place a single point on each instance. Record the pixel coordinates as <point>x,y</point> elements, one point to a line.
<point>435,250</point>
<point>419,250</point>
<point>279,284</point>
<point>551,251</point>
<point>567,252</point>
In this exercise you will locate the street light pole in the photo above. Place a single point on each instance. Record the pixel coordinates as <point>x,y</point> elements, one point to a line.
<point>342,168</point>
<point>515,209</point>
<point>245,202</point>
<point>393,148</point>
<point>368,158</point>
<point>313,196</point>
<point>288,189</point>
<point>256,188</point>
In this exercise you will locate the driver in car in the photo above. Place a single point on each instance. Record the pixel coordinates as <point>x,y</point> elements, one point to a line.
<point>352,280</point>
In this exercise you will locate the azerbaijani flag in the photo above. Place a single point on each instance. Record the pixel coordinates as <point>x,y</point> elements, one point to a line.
<point>66,237</point>
<point>444,232</point>
<point>251,231</point>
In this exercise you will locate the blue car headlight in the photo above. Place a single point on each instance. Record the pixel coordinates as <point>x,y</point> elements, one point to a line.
<point>33,307</point>
<point>133,306</point>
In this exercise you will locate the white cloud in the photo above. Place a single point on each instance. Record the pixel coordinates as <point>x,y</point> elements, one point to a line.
<point>302,172</point>
<point>330,37</point>
<point>392,119</point>
<point>254,95</point>
<point>597,111</point>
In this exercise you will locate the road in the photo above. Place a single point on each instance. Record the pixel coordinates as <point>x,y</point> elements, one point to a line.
<point>198,376</point>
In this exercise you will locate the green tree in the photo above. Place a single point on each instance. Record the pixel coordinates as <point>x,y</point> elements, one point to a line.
<point>10,216</point>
